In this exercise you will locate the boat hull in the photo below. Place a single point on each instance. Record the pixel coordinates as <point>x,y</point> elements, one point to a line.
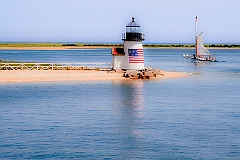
<point>204,59</point>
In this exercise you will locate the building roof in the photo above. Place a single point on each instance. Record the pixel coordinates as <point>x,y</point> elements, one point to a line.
<point>133,23</point>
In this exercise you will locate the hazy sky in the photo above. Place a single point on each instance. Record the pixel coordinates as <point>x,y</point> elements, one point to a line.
<point>162,21</point>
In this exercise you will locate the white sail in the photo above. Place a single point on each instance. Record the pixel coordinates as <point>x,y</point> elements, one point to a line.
<point>202,54</point>
<point>201,50</point>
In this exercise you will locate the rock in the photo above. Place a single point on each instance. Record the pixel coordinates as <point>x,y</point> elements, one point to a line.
<point>147,73</point>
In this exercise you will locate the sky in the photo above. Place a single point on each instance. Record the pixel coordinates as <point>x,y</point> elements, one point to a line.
<point>81,21</point>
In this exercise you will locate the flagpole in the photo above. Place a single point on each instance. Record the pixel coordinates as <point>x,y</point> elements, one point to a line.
<point>196,20</point>
<point>196,26</point>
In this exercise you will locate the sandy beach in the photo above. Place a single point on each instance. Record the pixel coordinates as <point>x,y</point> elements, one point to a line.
<point>13,76</point>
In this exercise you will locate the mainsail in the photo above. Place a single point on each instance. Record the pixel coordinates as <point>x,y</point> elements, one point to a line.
<point>202,54</point>
<point>201,50</point>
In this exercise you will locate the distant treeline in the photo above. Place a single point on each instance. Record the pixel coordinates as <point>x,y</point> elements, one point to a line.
<point>169,45</point>
<point>69,45</point>
<point>223,45</point>
<point>193,45</point>
<point>104,45</point>
<point>115,45</point>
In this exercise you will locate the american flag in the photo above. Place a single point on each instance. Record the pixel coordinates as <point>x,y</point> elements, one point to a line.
<point>196,19</point>
<point>136,56</point>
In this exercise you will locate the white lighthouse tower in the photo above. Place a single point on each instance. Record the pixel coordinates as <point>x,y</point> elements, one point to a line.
<point>133,56</point>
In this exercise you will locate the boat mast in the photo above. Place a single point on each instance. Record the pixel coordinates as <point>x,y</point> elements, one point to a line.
<point>196,20</point>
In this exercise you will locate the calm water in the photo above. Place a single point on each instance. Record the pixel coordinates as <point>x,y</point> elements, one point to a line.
<point>195,117</point>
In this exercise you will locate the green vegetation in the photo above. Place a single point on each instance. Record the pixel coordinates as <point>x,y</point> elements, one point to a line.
<point>114,45</point>
<point>223,45</point>
<point>169,45</point>
<point>72,44</point>
<point>30,45</point>
<point>191,45</point>
<point>103,45</point>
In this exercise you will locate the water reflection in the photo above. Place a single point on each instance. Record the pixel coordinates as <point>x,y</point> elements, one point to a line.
<point>202,63</point>
<point>128,105</point>
<point>128,98</point>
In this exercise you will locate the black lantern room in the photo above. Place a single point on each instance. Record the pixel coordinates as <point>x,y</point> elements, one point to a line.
<point>133,32</point>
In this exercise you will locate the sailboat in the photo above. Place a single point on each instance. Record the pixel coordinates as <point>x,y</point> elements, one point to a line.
<point>202,54</point>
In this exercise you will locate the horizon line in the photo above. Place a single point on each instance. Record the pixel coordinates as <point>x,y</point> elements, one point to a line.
<point>74,42</point>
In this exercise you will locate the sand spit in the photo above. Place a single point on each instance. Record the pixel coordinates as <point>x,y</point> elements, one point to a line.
<point>13,76</point>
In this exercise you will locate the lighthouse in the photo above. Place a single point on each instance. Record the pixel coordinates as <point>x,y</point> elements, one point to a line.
<point>131,57</point>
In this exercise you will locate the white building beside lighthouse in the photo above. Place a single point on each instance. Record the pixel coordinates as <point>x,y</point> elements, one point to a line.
<point>132,55</point>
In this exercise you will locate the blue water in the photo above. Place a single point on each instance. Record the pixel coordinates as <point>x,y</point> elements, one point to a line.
<point>194,117</point>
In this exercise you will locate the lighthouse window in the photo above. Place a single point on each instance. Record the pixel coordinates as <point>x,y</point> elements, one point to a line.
<point>133,29</point>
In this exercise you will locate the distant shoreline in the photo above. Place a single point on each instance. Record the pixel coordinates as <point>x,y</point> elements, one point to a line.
<point>65,46</point>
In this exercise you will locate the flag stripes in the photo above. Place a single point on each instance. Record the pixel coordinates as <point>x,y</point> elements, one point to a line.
<point>136,55</point>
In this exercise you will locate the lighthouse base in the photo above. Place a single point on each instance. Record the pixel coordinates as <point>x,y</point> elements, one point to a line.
<point>120,62</point>
<point>131,57</point>
<point>134,55</point>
